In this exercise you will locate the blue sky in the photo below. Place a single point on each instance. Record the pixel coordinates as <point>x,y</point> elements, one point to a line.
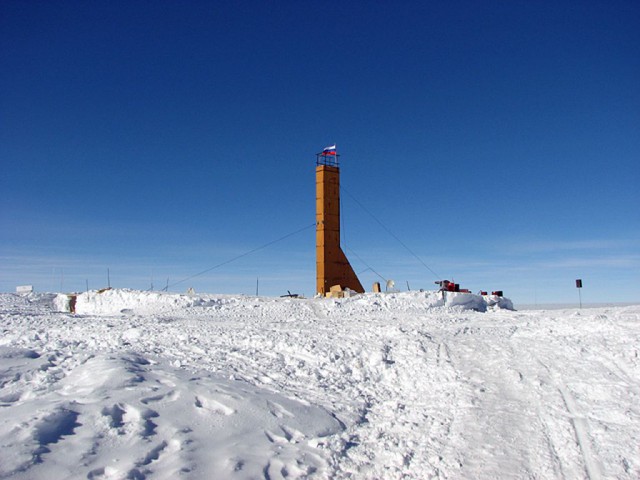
<point>498,140</point>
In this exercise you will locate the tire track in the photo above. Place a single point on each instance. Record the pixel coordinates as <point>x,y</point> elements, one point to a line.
<point>581,427</point>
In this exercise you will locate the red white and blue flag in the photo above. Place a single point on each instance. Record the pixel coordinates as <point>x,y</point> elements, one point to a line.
<point>329,150</point>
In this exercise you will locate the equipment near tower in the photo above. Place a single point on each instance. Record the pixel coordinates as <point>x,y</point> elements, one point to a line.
<point>332,267</point>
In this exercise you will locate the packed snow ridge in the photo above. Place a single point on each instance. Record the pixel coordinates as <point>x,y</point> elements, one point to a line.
<point>130,301</point>
<point>148,385</point>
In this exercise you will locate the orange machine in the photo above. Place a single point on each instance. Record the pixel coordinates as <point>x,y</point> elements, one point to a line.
<point>332,266</point>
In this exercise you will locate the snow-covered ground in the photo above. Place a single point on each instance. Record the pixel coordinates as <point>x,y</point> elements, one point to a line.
<point>162,386</point>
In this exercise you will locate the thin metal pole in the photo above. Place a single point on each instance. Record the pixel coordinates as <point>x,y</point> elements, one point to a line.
<point>257,285</point>
<point>580,296</point>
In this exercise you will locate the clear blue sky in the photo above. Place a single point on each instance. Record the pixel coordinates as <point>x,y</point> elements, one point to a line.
<point>500,141</point>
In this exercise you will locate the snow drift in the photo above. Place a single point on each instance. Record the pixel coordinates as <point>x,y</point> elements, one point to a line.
<point>118,301</point>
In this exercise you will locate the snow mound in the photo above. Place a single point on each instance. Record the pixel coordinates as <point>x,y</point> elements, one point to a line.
<point>495,302</point>
<point>123,301</point>
<point>94,409</point>
<point>412,302</point>
<point>117,301</point>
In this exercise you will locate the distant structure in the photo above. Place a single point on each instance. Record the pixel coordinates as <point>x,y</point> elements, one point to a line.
<point>24,289</point>
<point>332,267</point>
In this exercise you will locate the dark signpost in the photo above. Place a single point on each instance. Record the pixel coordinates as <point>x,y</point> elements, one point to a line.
<point>579,286</point>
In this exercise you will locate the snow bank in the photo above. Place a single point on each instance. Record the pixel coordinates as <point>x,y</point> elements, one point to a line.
<point>117,301</point>
<point>114,302</point>
<point>411,302</point>
<point>495,302</point>
<point>127,416</point>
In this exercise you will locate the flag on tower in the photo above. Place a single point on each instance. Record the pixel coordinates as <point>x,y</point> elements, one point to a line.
<point>329,150</point>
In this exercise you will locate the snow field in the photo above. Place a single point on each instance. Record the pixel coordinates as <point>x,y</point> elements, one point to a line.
<point>149,385</point>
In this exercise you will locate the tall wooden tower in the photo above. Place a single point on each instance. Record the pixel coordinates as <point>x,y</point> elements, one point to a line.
<point>332,266</point>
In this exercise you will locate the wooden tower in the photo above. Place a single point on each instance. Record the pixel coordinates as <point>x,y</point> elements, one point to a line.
<point>332,266</point>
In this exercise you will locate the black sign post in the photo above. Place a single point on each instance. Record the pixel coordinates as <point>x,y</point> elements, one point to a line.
<point>579,287</point>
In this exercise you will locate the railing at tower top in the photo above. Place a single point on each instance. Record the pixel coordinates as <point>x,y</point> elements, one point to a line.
<point>325,158</point>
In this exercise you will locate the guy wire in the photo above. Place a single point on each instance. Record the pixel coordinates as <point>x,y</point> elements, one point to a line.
<point>268,244</point>
<point>389,232</point>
